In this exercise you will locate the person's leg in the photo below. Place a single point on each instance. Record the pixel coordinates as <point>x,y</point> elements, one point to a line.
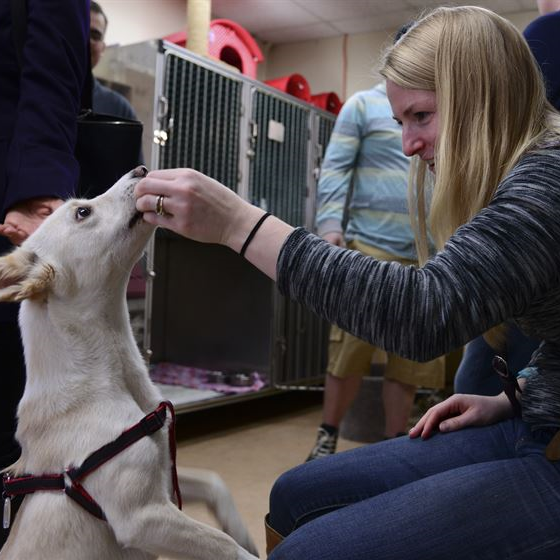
<point>475,374</point>
<point>481,493</point>
<point>340,393</point>
<point>398,400</point>
<point>519,348</point>
<point>349,360</point>
<point>401,379</point>
<point>13,382</point>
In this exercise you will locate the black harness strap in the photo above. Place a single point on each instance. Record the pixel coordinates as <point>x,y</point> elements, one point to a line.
<point>27,484</point>
<point>146,427</point>
<point>69,481</point>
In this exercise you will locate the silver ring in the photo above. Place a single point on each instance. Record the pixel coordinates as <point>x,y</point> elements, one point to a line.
<point>159,205</point>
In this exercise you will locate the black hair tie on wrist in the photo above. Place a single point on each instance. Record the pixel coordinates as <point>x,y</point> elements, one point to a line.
<point>253,232</point>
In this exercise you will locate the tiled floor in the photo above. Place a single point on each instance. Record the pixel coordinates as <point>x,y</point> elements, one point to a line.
<point>250,444</point>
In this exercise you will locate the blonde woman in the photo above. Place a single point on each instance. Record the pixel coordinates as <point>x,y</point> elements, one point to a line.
<point>486,484</point>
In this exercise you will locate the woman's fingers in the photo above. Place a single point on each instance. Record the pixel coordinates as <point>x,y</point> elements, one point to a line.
<point>460,411</point>
<point>427,424</point>
<point>165,221</point>
<point>438,415</point>
<point>458,422</point>
<point>199,207</point>
<point>148,203</point>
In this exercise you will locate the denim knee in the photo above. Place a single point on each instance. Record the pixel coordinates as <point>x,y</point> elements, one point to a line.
<point>282,496</point>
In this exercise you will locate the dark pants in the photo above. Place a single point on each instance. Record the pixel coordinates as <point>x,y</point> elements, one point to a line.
<point>476,376</point>
<point>12,382</point>
<point>485,493</point>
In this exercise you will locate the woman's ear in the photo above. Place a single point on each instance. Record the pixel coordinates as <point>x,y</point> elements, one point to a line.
<point>23,275</point>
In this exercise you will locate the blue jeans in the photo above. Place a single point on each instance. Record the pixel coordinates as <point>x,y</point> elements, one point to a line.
<point>475,375</point>
<point>485,493</point>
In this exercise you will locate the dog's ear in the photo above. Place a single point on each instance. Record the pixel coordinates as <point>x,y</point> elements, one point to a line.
<point>23,275</point>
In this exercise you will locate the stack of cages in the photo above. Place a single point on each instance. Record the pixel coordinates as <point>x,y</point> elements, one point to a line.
<point>208,312</point>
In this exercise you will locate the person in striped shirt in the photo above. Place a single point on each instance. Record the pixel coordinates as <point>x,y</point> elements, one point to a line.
<point>363,186</point>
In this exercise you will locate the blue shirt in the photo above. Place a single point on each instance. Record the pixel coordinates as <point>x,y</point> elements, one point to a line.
<point>365,156</point>
<point>109,102</point>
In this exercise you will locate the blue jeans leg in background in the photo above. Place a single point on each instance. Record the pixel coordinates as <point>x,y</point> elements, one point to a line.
<point>481,493</point>
<point>475,375</point>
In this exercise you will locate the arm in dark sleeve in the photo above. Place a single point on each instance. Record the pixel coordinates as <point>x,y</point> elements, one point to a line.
<point>41,159</point>
<point>543,37</point>
<point>490,270</point>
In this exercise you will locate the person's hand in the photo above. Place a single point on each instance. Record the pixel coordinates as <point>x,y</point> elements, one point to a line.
<point>196,206</point>
<point>24,218</point>
<point>335,237</point>
<point>460,411</point>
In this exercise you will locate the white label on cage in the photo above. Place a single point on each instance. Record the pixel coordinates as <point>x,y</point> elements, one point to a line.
<point>275,131</point>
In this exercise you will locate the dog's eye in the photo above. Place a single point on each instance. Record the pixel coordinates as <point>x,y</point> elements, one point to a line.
<point>82,212</point>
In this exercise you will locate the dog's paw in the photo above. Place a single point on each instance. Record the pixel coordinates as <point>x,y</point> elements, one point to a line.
<point>244,555</point>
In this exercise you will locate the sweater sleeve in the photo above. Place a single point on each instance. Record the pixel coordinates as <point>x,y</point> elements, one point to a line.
<point>490,270</point>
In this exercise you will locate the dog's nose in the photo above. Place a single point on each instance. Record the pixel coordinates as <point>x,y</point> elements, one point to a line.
<point>140,171</point>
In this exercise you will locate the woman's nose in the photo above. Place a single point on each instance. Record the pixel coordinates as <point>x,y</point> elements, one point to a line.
<point>411,144</point>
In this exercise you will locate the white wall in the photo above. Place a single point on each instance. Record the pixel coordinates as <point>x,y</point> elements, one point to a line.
<point>329,65</point>
<point>321,62</point>
<point>132,21</point>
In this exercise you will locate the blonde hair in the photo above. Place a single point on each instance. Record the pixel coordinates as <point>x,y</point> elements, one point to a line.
<point>491,105</point>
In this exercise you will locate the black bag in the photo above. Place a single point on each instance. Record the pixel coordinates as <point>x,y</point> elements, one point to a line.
<point>106,146</point>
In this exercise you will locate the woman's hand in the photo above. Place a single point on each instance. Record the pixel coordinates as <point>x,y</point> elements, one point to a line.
<point>196,206</point>
<point>335,237</point>
<point>460,411</point>
<point>202,209</point>
<point>24,218</point>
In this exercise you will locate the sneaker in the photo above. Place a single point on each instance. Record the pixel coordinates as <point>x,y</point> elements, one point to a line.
<point>325,444</point>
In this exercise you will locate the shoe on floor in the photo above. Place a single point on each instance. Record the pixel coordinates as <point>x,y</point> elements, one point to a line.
<point>325,444</point>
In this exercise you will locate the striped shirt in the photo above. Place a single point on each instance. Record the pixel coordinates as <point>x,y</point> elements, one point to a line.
<point>365,156</point>
<point>505,263</point>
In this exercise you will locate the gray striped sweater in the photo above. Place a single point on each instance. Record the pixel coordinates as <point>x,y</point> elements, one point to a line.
<point>505,263</point>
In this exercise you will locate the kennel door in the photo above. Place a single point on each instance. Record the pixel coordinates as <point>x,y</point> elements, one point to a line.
<point>302,336</point>
<point>279,181</point>
<point>278,169</point>
<point>202,119</point>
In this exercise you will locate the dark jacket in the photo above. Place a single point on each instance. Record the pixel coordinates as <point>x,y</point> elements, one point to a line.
<point>39,104</point>
<point>543,36</point>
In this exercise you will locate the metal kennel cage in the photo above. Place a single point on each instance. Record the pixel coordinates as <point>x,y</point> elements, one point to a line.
<point>204,306</point>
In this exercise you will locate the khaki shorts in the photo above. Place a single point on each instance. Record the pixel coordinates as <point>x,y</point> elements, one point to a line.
<point>349,355</point>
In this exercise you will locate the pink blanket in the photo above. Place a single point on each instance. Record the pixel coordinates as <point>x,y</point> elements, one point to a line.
<point>196,378</point>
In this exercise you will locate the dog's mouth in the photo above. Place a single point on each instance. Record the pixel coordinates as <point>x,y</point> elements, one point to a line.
<point>137,217</point>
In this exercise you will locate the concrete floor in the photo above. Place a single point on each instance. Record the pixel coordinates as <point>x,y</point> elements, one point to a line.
<point>250,444</point>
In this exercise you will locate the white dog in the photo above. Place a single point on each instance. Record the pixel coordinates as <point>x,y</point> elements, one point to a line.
<point>86,385</point>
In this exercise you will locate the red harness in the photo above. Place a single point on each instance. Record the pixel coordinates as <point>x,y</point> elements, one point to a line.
<point>70,481</point>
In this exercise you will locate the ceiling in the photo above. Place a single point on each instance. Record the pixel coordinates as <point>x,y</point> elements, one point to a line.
<point>287,21</point>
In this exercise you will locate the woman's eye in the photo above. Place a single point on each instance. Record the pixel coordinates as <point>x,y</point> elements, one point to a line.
<point>421,115</point>
<point>82,212</point>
